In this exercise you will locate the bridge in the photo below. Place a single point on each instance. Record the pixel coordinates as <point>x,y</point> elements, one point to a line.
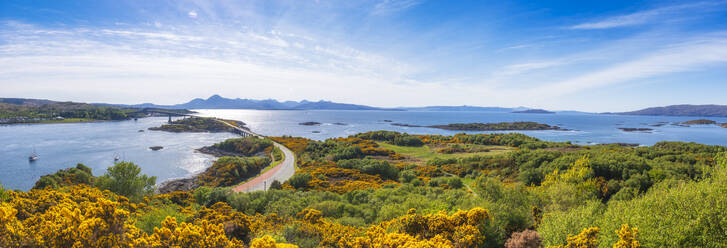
<point>169,112</point>
<point>238,130</point>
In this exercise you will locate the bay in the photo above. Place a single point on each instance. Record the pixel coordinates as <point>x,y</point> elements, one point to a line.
<point>95,145</point>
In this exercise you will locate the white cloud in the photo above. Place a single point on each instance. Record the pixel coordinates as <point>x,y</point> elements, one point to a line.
<point>192,14</point>
<point>644,17</point>
<point>527,67</point>
<point>391,6</point>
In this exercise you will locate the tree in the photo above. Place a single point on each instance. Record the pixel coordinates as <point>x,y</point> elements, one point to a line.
<point>125,179</point>
<point>276,185</point>
<point>299,181</point>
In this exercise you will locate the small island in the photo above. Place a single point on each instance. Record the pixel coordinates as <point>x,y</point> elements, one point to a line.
<point>699,122</point>
<point>310,123</point>
<point>404,125</point>
<point>199,125</point>
<point>636,129</point>
<point>534,111</point>
<point>502,126</point>
<point>156,148</point>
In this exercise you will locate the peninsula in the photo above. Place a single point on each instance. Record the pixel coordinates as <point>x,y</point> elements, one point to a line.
<point>22,110</point>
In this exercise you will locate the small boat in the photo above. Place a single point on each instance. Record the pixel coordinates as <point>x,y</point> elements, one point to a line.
<point>116,158</point>
<point>33,156</point>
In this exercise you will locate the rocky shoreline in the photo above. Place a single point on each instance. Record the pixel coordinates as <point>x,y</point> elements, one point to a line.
<point>180,184</point>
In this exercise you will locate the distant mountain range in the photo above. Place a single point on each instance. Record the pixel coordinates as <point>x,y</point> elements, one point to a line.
<point>683,110</point>
<point>218,102</point>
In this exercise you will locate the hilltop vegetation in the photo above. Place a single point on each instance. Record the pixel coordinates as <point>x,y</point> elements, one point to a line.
<point>389,189</point>
<point>198,125</point>
<point>17,110</point>
<point>56,111</point>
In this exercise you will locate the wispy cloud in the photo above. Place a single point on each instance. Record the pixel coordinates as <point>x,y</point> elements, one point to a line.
<point>391,6</point>
<point>646,16</point>
<point>698,53</point>
<point>529,66</point>
<point>41,59</point>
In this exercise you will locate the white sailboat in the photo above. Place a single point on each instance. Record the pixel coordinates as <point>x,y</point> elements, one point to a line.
<point>33,156</point>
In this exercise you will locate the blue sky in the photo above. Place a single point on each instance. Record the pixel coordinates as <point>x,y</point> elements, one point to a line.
<point>578,55</point>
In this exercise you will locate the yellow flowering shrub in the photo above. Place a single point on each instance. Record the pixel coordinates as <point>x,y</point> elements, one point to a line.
<point>586,239</point>
<point>461,229</point>
<point>83,216</point>
<point>203,234</point>
<point>80,217</point>
<point>627,237</point>
<point>268,242</point>
<point>327,177</point>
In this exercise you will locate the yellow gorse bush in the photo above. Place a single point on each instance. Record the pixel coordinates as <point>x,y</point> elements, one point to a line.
<point>461,229</point>
<point>588,238</point>
<point>268,242</point>
<point>83,216</point>
<point>627,237</point>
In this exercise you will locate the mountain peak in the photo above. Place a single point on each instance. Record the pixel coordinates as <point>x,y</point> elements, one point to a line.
<point>215,97</point>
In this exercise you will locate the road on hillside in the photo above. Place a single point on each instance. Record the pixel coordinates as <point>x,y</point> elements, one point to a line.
<point>281,172</point>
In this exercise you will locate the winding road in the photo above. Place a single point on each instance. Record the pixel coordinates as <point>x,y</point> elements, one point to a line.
<point>281,172</point>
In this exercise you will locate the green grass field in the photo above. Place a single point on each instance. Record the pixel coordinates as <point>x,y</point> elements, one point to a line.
<point>425,153</point>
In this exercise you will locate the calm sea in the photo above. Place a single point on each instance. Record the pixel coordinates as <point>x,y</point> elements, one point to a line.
<point>95,144</point>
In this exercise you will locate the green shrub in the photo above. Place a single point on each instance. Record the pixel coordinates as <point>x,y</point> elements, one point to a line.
<point>682,214</point>
<point>229,171</point>
<point>247,146</point>
<point>407,176</point>
<point>371,166</point>
<point>556,226</point>
<point>80,174</point>
<point>125,179</point>
<point>300,181</point>
<point>148,221</point>
<point>407,141</point>
<point>276,185</point>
